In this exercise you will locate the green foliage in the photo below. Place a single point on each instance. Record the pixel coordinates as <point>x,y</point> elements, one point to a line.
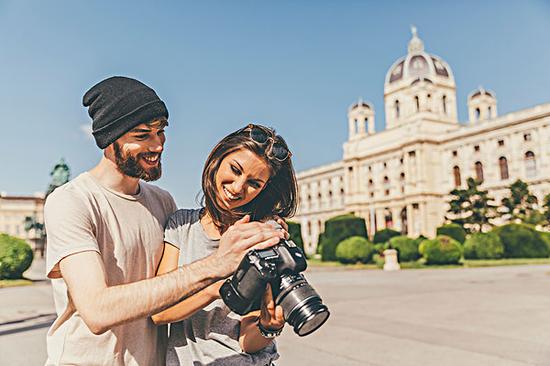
<point>384,235</point>
<point>319,248</point>
<point>483,246</point>
<point>442,250</point>
<point>471,208</point>
<point>295,232</point>
<point>379,260</point>
<point>354,249</point>
<point>15,257</point>
<point>455,231</point>
<point>546,237</point>
<point>522,241</point>
<point>546,209</point>
<point>407,248</point>
<point>520,204</point>
<point>337,229</point>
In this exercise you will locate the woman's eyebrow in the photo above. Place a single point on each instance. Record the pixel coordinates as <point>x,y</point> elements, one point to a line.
<point>240,166</point>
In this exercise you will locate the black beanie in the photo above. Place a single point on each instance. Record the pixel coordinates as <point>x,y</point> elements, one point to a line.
<point>118,104</point>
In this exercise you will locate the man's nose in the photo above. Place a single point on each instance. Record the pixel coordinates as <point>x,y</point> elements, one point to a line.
<point>157,144</point>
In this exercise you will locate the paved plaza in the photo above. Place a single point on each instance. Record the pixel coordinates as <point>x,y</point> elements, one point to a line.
<point>483,316</point>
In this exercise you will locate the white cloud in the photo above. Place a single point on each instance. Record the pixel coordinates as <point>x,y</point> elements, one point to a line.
<point>86,129</point>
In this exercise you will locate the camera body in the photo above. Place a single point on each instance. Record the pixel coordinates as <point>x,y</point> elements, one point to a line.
<point>243,292</point>
<point>279,266</point>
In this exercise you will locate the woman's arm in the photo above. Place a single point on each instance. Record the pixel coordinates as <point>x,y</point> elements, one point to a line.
<point>190,305</point>
<point>271,317</point>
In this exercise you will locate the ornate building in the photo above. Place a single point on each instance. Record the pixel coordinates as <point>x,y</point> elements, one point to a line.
<point>400,177</point>
<point>14,211</point>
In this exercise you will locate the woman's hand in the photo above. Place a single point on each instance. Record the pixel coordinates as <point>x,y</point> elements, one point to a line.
<point>283,224</point>
<point>271,315</point>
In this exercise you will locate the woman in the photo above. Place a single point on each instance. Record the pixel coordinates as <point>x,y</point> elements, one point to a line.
<point>248,173</point>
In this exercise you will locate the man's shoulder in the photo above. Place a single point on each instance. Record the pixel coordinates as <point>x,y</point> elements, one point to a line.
<point>73,191</point>
<point>156,191</point>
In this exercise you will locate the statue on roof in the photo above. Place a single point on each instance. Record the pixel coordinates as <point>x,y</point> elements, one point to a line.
<point>61,174</point>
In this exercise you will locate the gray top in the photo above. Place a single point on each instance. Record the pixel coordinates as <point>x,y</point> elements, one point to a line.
<point>211,335</point>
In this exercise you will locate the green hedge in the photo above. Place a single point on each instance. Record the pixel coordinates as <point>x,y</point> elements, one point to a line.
<point>354,249</point>
<point>407,248</point>
<point>546,237</point>
<point>483,246</point>
<point>384,235</point>
<point>15,257</point>
<point>337,229</point>
<point>522,241</point>
<point>295,232</point>
<point>442,250</point>
<point>455,231</point>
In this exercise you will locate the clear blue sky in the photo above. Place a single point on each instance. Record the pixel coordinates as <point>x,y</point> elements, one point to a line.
<point>294,65</point>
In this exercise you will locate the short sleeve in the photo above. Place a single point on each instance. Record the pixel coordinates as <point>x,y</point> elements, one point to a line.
<point>173,227</point>
<point>69,228</point>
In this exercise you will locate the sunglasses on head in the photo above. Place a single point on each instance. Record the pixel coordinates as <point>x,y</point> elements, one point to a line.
<point>263,135</point>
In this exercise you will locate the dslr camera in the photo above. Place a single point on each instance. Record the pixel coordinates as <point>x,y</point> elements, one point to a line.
<point>280,266</point>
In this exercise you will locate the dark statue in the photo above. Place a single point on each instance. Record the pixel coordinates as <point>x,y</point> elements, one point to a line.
<point>60,175</point>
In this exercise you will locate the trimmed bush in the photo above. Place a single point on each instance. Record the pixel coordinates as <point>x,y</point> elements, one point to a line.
<point>337,229</point>
<point>522,241</point>
<point>455,231</point>
<point>354,249</point>
<point>442,250</point>
<point>407,248</point>
<point>384,235</point>
<point>483,246</point>
<point>379,260</point>
<point>546,237</point>
<point>295,232</point>
<point>15,257</point>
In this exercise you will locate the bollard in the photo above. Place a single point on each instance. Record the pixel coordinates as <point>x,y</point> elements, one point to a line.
<point>391,263</point>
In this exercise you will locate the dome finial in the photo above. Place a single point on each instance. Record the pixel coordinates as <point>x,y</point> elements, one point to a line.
<point>415,44</point>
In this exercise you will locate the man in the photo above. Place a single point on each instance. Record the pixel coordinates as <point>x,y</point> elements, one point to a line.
<point>105,238</point>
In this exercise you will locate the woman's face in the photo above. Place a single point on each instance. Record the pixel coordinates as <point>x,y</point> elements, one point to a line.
<point>240,178</point>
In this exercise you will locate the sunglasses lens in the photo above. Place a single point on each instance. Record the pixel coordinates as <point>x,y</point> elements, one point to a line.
<point>279,151</point>
<point>259,135</point>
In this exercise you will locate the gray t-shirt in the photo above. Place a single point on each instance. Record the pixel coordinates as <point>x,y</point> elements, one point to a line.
<point>211,335</point>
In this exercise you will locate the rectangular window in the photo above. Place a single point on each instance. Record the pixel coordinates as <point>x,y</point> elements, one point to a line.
<point>527,137</point>
<point>500,142</point>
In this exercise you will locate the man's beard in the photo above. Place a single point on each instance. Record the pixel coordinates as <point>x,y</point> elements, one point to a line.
<point>129,165</point>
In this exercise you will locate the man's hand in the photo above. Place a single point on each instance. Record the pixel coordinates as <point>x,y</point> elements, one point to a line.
<point>240,238</point>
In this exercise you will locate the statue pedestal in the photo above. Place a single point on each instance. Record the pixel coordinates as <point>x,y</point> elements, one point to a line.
<point>391,263</point>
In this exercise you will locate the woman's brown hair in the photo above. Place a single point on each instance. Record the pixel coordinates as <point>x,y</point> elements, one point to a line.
<point>279,195</point>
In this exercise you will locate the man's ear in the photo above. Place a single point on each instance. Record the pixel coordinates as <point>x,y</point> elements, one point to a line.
<point>109,152</point>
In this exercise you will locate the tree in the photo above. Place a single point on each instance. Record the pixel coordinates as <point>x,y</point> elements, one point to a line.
<point>471,208</point>
<point>520,205</point>
<point>546,208</point>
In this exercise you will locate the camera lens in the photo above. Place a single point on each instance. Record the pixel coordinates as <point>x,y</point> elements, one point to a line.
<point>302,306</point>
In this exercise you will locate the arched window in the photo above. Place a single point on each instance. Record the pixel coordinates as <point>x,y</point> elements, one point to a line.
<point>417,101</point>
<point>396,109</point>
<point>429,102</point>
<point>444,104</point>
<point>456,174</point>
<point>477,114</point>
<point>386,186</point>
<point>356,126</point>
<point>489,110</point>
<point>479,171</point>
<point>503,164</point>
<point>530,165</point>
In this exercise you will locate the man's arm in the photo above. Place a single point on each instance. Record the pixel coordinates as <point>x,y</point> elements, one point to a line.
<point>102,307</point>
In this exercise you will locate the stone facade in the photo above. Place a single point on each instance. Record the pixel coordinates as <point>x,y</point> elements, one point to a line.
<point>400,177</point>
<point>14,210</point>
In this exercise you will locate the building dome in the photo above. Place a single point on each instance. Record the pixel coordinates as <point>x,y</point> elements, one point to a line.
<point>360,104</point>
<point>418,65</point>
<point>480,92</point>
